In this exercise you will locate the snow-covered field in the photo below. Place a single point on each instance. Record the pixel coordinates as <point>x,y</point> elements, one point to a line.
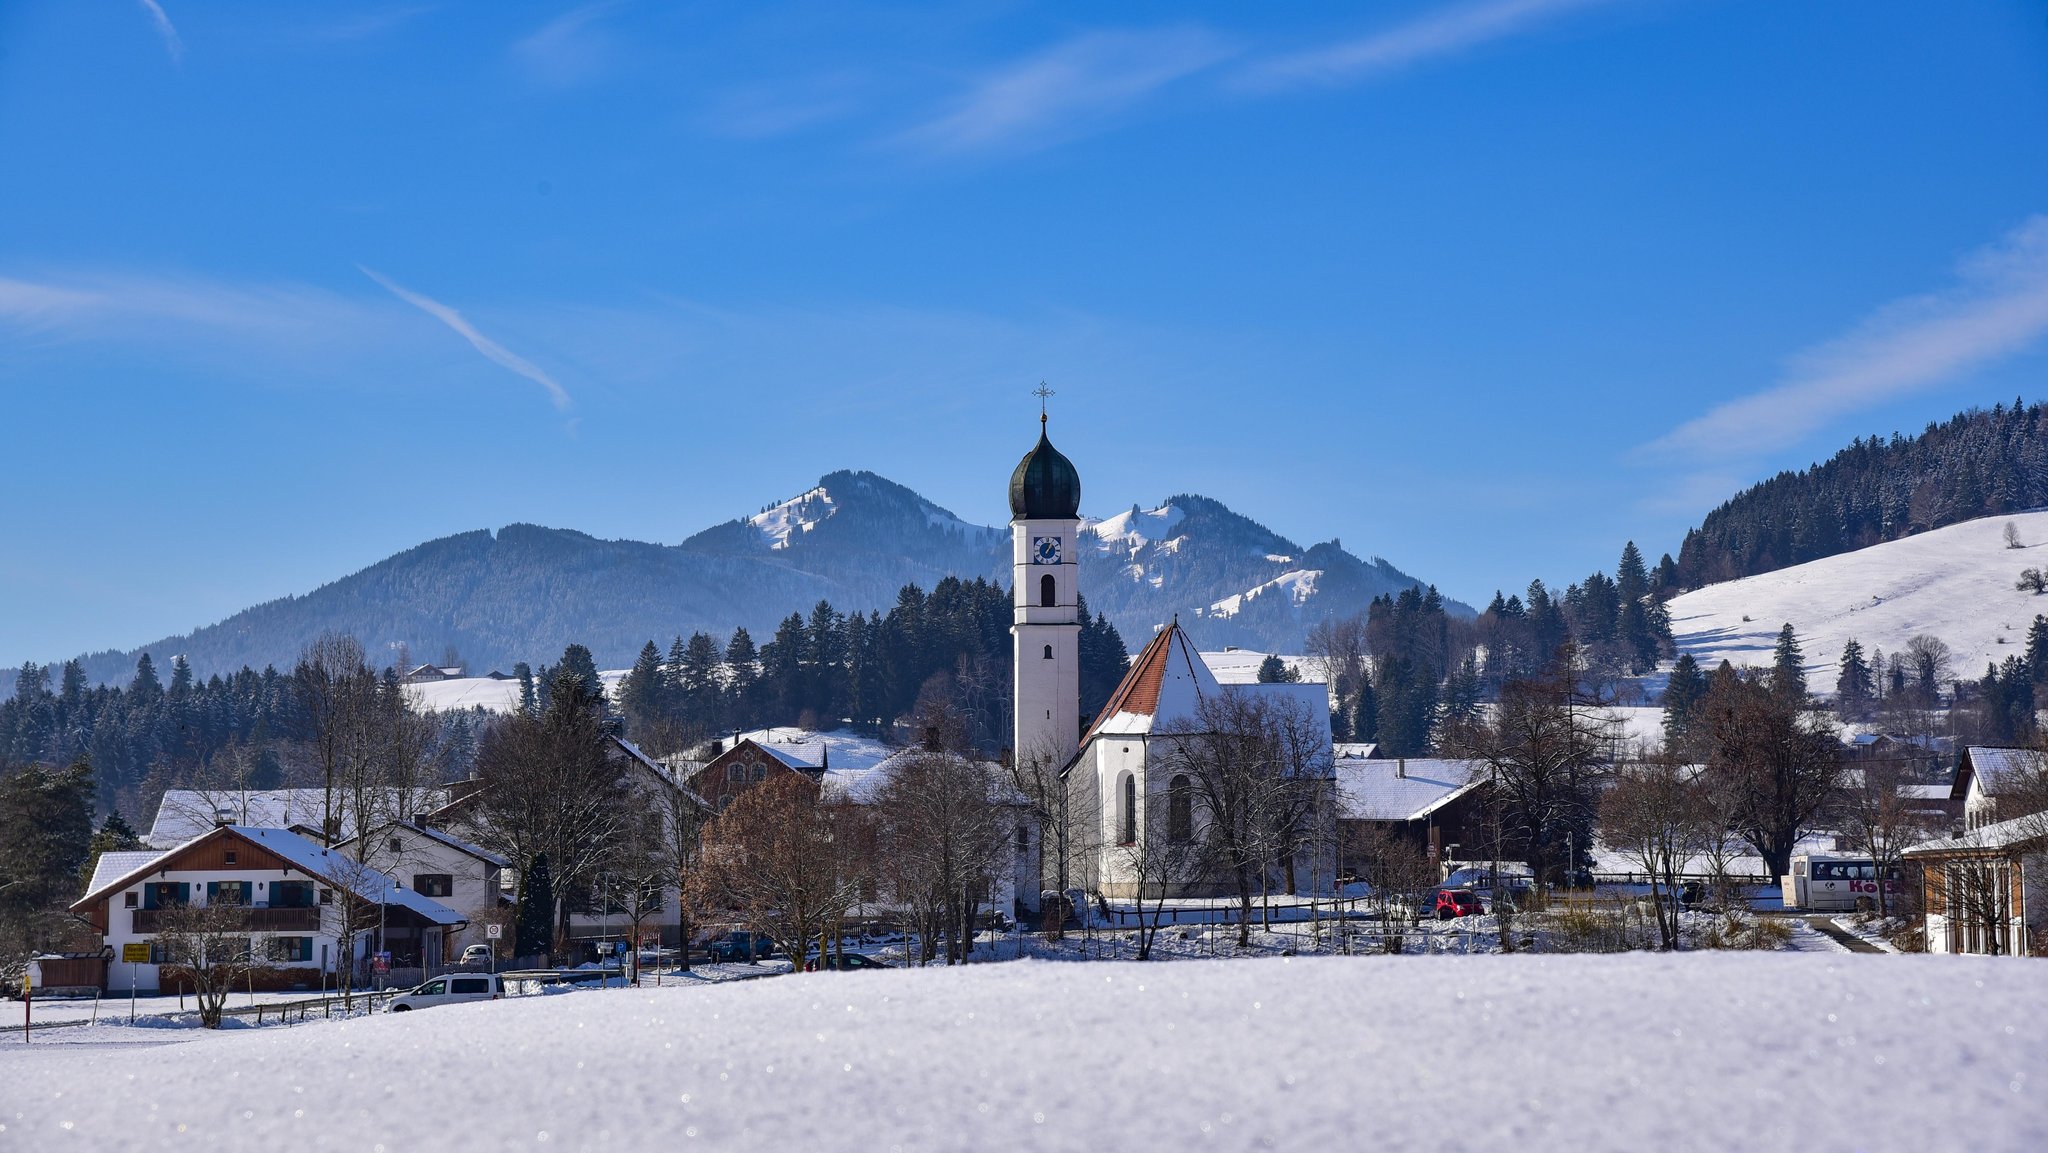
<point>1581,1053</point>
<point>1955,583</point>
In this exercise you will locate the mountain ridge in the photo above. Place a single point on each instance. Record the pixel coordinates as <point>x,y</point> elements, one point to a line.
<point>524,591</point>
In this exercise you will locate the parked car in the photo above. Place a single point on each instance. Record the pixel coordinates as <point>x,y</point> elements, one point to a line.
<point>449,990</point>
<point>476,955</point>
<point>1446,904</point>
<point>741,945</point>
<point>843,961</point>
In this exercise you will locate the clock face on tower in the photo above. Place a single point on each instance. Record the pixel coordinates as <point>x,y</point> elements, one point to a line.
<point>1045,550</point>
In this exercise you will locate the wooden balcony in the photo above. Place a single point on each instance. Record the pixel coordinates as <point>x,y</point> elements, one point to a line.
<point>254,920</point>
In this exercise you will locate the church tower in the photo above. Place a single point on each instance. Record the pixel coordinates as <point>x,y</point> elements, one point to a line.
<point>1045,527</point>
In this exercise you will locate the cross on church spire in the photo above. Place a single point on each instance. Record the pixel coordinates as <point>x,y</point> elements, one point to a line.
<point>1041,392</point>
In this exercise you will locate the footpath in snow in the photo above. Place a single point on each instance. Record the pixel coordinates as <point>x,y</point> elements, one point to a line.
<point>1580,1053</point>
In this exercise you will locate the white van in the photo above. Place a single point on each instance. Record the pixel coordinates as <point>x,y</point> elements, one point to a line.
<point>449,990</point>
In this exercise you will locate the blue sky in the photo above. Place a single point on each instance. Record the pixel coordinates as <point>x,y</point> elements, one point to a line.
<point>1486,287</point>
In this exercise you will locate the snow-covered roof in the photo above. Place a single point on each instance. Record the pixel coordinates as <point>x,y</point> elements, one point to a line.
<point>186,813</point>
<point>1355,750</point>
<point>804,749</point>
<point>864,786</point>
<point>115,864</point>
<point>308,856</point>
<point>1994,767</point>
<point>1241,666</point>
<point>1167,682</point>
<point>1402,790</point>
<point>1997,835</point>
<point>365,882</point>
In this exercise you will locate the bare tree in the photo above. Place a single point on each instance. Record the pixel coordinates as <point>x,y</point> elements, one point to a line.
<point>2012,535</point>
<point>1169,854</point>
<point>1778,761</point>
<point>1542,746</point>
<point>1399,872</point>
<point>209,946</point>
<point>1652,814</point>
<point>775,856</point>
<point>1035,775</point>
<point>1881,820</point>
<point>1248,760</point>
<point>940,832</point>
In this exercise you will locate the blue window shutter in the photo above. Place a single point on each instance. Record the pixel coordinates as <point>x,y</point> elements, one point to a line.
<point>212,891</point>
<point>184,892</point>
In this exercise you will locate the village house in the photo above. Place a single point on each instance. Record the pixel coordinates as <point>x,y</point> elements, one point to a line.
<point>439,865</point>
<point>286,883</point>
<point>1985,890</point>
<point>1436,805</point>
<point>1985,772</point>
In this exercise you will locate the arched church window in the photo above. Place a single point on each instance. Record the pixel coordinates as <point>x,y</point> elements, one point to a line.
<point>1023,838</point>
<point>1048,652</point>
<point>1127,819</point>
<point>1180,810</point>
<point>1048,592</point>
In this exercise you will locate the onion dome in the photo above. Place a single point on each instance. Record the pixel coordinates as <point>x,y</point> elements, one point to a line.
<point>1045,485</point>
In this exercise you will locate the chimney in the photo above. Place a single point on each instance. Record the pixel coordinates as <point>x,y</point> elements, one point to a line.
<point>1401,768</point>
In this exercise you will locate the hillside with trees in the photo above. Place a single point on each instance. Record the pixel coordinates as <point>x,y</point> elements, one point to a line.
<point>1975,464</point>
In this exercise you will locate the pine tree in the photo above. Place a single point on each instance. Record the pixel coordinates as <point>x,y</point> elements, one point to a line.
<point>1682,694</point>
<point>2037,648</point>
<point>145,685</point>
<point>1788,666</point>
<point>1273,670</point>
<point>640,691</point>
<point>529,703</point>
<point>742,677</point>
<point>1852,684</point>
<point>576,659</point>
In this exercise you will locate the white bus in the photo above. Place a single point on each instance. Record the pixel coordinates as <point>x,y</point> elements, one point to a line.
<point>1827,884</point>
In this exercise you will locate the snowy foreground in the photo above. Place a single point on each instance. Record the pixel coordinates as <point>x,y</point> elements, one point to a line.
<point>1577,1053</point>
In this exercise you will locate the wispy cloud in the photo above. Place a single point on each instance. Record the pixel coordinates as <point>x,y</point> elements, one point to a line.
<point>164,28</point>
<point>1438,34</point>
<point>1997,307</point>
<point>492,351</point>
<point>569,49</point>
<point>786,106</point>
<point>1070,89</point>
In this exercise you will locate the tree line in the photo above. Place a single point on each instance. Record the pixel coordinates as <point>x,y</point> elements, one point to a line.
<point>1407,672</point>
<point>950,646</point>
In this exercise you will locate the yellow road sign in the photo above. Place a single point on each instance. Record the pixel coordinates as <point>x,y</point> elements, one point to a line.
<point>136,953</point>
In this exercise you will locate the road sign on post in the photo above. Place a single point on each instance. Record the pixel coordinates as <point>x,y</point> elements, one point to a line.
<point>493,932</point>
<point>135,952</point>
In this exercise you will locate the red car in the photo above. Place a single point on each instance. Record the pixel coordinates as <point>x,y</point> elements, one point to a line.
<point>1450,903</point>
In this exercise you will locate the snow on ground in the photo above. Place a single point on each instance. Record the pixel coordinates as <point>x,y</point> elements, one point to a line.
<point>1241,666</point>
<point>1955,583</point>
<point>1627,1052</point>
<point>498,696</point>
<point>494,694</point>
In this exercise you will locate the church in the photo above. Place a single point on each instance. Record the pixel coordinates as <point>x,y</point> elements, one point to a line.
<point>1133,777</point>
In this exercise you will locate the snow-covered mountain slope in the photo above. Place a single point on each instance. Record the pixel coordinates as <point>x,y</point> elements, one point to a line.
<point>1232,580</point>
<point>1955,583</point>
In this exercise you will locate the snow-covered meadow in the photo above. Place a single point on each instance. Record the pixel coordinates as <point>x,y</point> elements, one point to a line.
<point>1582,1053</point>
<point>1955,583</point>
